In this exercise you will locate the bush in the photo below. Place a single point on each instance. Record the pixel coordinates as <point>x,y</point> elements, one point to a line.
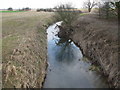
<point>10,9</point>
<point>66,13</point>
<point>107,10</point>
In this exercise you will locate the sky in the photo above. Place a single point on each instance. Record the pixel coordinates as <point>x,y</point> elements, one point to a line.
<point>38,3</point>
<point>18,4</point>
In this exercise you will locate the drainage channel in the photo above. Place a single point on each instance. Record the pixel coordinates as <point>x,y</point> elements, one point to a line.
<point>67,69</point>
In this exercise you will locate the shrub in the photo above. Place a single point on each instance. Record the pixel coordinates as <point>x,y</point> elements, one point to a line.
<point>66,13</point>
<point>107,10</point>
<point>10,9</point>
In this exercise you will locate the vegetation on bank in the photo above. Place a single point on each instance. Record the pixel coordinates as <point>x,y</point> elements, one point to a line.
<point>105,9</point>
<point>109,10</point>
<point>23,49</point>
<point>66,13</point>
<point>91,33</point>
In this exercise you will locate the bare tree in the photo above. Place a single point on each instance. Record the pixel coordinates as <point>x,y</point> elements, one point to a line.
<point>66,13</point>
<point>117,8</point>
<point>109,8</point>
<point>89,4</point>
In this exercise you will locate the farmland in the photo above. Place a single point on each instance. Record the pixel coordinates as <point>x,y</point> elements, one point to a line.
<point>23,48</point>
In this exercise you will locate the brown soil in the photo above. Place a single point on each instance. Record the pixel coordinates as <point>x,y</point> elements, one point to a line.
<point>98,39</point>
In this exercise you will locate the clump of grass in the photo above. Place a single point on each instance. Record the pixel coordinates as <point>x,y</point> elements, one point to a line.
<point>95,68</point>
<point>85,59</point>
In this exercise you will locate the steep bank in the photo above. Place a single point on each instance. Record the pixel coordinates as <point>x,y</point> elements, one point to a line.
<point>24,49</point>
<point>98,40</point>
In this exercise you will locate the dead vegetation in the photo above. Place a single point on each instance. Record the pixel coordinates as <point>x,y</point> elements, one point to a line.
<point>24,49</point>
<point>98,39</point>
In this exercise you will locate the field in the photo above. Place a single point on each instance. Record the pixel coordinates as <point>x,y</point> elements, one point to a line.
<point>10,11</point>
<point>23,48</point>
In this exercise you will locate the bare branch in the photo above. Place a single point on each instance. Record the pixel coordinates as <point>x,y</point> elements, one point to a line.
<point>88,4</point>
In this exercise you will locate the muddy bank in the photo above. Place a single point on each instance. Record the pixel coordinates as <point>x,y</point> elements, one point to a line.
<point>98,40</point>
<point>24,49</point>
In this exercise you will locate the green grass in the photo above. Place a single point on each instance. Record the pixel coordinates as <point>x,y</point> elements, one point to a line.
<point>82,14</point>
<point>10,11</point>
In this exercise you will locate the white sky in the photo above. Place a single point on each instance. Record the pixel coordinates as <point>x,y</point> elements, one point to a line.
<point>38,3</point>
<point>16,4</point>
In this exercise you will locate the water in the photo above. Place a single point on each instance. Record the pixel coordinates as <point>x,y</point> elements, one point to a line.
<point>67,69</point>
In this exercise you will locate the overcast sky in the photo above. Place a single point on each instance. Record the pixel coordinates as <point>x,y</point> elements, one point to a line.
<point>38,3</point>
<point>16,4</point>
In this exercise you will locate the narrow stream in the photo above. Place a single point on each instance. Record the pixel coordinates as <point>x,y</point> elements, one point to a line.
<point>67,69</point>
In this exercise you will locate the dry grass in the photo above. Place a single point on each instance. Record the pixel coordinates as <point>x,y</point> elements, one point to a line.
<point>24,48</point>
<point>98,39</point>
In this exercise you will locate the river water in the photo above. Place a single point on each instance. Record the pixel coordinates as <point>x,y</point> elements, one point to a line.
<point>67,69</point>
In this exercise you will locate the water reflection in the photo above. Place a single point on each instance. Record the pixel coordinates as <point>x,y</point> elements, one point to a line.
<point>66,53</point>
<point>66,67</point>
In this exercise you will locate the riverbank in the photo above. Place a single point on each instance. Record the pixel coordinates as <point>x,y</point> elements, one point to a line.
<point>24,49</point>
<point>98,40</point>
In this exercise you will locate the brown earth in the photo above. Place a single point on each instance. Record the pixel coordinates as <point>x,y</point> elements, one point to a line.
<point>98,40</point>
<point>24,49</point>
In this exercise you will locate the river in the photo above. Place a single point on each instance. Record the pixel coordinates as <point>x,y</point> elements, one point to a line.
<point>67,67</point>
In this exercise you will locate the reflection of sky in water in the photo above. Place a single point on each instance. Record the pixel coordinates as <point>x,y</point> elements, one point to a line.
<point>53,30</point>
<point>66,70</point>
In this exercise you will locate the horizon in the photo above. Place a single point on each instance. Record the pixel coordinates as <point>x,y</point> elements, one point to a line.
<point>34,4</point>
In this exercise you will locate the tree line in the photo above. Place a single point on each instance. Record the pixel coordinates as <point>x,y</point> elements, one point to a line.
<point>23,9</point>
<point>106,9</point>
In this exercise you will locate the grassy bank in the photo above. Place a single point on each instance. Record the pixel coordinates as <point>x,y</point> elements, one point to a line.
<point>98,40</point>
<point>24,48</point>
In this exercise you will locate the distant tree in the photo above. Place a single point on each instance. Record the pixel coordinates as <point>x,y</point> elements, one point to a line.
<point>99,7</point>
<point>26,9</point>
<point>117,8</point>
<point>10,9</point>
<point>107,9</point>
<point>38,10</point>
<point>89,4</point>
